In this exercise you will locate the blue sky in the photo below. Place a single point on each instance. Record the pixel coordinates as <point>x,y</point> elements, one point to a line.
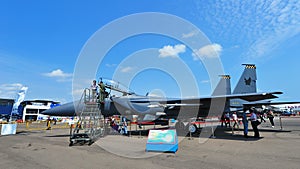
<point>40,42</point>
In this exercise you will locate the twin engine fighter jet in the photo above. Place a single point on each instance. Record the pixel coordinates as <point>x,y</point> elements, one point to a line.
<point>150,108</point>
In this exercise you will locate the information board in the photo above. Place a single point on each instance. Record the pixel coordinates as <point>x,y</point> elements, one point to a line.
<point>162,140</point>
<point>8,129</point>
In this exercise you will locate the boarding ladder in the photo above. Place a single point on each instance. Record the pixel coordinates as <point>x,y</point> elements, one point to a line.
<point>90,125</point>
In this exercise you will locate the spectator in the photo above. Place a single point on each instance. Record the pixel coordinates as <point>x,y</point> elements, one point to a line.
<point>245,124</point>
<point>271,117</point>
<point>254,124</point>
<point>235,120</point>
<point>261,116</point>
<point>124,126</point>
<point>223,120</point>
<point>227,119</point>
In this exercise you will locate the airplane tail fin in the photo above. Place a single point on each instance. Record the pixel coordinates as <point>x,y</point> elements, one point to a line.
<point>247,82</point>
<point>20,97</point>
<point>223,87</point>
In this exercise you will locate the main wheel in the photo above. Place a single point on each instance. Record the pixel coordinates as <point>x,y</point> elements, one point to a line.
<point>193,128</point>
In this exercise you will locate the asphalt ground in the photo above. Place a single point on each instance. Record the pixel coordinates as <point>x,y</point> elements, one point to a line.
<point>44,149</point>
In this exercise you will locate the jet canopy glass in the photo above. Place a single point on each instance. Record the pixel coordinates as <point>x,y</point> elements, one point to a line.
<point>116,87</point>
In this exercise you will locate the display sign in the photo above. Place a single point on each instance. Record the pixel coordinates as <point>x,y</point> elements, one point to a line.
<point>8,129</point>
<point>162,140</point>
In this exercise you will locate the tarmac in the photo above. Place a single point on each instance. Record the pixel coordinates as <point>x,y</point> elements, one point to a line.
<point>277,148</point>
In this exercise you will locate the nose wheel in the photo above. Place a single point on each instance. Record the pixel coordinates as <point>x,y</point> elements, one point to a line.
<point>181,128</point>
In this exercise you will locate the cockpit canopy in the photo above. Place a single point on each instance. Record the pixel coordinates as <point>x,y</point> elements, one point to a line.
<point>116,88</point>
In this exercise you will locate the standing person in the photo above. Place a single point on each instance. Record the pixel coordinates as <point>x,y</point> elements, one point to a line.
<point>245,123</point>
<point>102,92</point>
<point>235,120</point>
<point>55,120</point>
<point>254,124</point>
<point>114,124</point>
<point>223,120</point>
<point>261,116</point>
<point>271,117</point>
<point>94,89</point>
<point>124,126</point>
<point>227,119</point>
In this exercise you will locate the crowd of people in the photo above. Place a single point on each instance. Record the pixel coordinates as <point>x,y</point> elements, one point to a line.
<point>255,118</point>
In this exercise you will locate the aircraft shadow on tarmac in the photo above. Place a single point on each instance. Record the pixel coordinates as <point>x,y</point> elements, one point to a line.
<point>238,134</point>
<point>61,135</point>
<point>219,133</point>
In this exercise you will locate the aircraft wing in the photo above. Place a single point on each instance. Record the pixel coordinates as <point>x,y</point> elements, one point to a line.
<point>198,106</point>
<point>268,103</point>
<point>149,105</point>
<point>250,97</point>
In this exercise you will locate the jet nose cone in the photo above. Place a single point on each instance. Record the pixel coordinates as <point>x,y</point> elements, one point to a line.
<point>67,109</point>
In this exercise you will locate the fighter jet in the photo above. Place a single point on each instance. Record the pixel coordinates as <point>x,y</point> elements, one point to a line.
<point>149,107</point>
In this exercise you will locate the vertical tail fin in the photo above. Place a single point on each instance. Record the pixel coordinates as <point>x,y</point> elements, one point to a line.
<point>247,82</point>
<point>20,97</point>
<point>223,87</point>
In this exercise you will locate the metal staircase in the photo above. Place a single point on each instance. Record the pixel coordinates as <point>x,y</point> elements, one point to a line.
<point>91,123</point>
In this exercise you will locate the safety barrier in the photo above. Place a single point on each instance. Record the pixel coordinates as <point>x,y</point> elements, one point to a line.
<point>42,125</point>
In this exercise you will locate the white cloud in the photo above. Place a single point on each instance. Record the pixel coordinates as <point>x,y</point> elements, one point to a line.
<point>77,93</point>
<point>171,51</point>
<point>127,69</point>
<point>205,81</point>
<point>79,86</point>
<point>10,90</point>
<point>59,75</point>
<point>257,26</point>
<point>235,47</point>
<point>190,34</point>
<point>110,65</point>
<point>282,23</point>
<point>208,51</point>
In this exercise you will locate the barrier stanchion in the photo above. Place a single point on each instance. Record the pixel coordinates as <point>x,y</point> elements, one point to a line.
<point>48,125</point>
<point>27,125</point>
<point>129,134</point>
<point>280,122</point>
<point>190,133</point>
<point>140,134</point>
<point>212,130</point>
